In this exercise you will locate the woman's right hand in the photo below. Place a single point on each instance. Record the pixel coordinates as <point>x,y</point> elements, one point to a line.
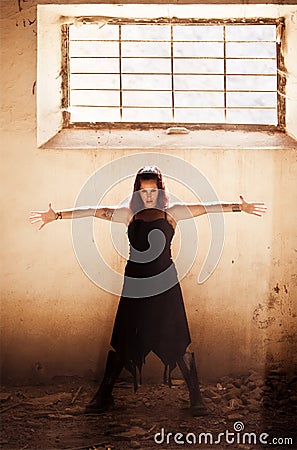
<point>44,217</point>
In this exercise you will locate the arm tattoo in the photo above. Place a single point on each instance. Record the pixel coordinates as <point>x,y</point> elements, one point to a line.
<point>108,213</point>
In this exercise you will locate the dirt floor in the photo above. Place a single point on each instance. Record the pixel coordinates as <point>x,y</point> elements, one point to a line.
<point>240,409</point>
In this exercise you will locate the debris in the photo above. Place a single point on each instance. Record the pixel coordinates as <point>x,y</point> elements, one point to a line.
<point>177,382</point>
<point>75,411</point>
<point>132,433</point>
<point>244,388</point>
<point>15,405</point>
<point>123,385</point>
<point>56,410</point>
<point>232,393</point>
<point>136,421</point>
<point>147,402</point>
<point>235,403</point>
<point>76,395</point>
<point>152,428</point>
<point>101,445</point>
<point>25,446</point>
<point>59,416</point>
<point>4,396</point>
<point>50,399</point>
<point>43,414</point>
<point>225,380</point>
<point>257,393</point>
<point>235,416</point>
<point>253,405</point>
<point>213,395</point>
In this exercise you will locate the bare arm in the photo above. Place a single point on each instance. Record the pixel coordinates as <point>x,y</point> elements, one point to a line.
<point>116,214</point>
<point>187,211</point>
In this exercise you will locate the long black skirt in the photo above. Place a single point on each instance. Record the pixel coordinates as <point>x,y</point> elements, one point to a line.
<point>158,324</point>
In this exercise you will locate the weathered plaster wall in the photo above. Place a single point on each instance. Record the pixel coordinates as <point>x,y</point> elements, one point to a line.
<point>54,321</point>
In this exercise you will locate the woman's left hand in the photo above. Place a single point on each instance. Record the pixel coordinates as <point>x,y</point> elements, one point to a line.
<point>253,208</point>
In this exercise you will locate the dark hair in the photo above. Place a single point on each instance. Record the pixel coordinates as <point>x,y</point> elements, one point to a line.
<point>148,173</point>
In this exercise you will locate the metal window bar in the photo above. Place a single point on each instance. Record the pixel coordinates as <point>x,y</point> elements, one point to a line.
<point>120,71</point>
<point>225,76</point>
<point>173,74</point>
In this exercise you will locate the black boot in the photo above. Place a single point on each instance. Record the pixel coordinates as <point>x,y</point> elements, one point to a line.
<point>103,400</point>
<point>188,369</point>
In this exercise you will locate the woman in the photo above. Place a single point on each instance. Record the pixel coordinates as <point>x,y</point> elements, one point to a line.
<point>151,314</point>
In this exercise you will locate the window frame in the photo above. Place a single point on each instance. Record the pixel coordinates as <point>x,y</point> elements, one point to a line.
<point>281,79</point>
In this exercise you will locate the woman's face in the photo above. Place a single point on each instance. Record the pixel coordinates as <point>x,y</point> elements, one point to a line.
<point>149,193</point>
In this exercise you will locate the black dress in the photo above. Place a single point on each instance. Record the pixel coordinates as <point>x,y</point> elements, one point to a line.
<point>151,314</point>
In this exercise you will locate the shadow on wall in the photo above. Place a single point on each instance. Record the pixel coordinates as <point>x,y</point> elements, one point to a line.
<point>280,384</point>
<point>277,315</point>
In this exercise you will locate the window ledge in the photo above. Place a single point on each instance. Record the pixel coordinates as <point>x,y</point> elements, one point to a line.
<point>68,139</point>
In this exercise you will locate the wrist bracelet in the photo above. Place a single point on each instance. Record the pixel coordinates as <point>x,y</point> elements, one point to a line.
<point>236,208</point>
<point>59,215</point>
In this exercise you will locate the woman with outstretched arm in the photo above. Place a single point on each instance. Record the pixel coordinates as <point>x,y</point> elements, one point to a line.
<point>151,314</point>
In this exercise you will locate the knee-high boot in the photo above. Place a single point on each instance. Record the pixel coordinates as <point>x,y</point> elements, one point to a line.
<point>188,369</point>
<point>103,400</point>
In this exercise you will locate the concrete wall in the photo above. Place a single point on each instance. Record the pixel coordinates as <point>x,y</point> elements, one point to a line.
<point>55,321</point>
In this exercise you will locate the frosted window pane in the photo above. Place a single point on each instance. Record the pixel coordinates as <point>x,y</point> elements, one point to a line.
<point>251,66</point>
<point>95,82</point>
<point>146,65</point>
<point>198,33</point>
<point>200,82</point>
<point>147,115</point>
<point>250,33</point>
<point>145,32</point>
<point>199,99</point>
<point>251,50</point>
<point>153,49</point>
<point>214,49</point>
<point>94,65</point>
<point>85,48</point>
<point>199,115</point>
<point>198,66</point>
<point>95,114</point>
<point>252,116</point>
<point>94,32</point>
<point>95,98</point>
<point>146,81</point>
<point>251,99</point>
<point>147,98</point>
<point>141,66</point>
<point>259,83</point>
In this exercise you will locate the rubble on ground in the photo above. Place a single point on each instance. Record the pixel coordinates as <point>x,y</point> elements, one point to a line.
<point>51,417</point>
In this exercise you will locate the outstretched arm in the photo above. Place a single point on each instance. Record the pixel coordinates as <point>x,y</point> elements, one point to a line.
<point>187,211</point>
<point>116,214</point>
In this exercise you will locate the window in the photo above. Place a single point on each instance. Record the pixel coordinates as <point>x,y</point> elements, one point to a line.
<point>173,72</point>
<point>248,79</point>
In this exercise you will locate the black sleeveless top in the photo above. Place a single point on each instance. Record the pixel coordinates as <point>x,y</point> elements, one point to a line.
<point>150,246</point>
<point>151,314</point>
